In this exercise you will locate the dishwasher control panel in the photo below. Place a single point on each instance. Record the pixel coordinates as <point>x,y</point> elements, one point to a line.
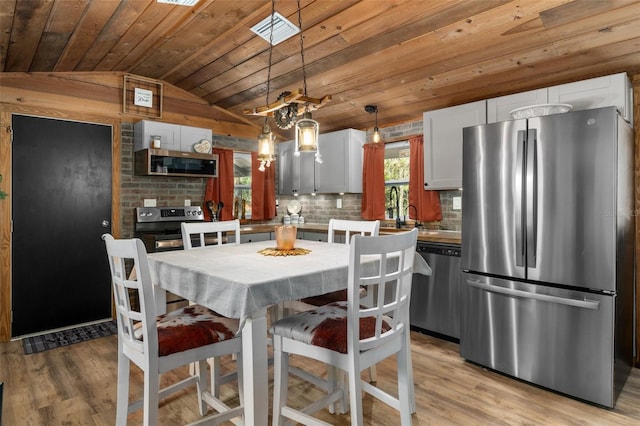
<point>442,249</point>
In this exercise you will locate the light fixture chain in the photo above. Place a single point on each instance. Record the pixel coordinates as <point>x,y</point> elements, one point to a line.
<point>304,72</point>
<point>273,12</point>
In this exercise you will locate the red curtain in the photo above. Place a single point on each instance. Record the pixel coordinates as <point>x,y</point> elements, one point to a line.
<point>373,200</point>
<point>263,190</point>
<point>427,202</point>
<point>220,189</point>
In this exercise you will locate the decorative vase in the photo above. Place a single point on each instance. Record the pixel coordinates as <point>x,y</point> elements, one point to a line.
<point>286,237</point>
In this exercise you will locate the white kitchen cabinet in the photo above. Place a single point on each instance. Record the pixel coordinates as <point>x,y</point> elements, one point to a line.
<point>443,143</point>
<point>612,90</point>
<point>313,236</point>
<point>189,136</point>
<point>174,137</point>
<point>498,109</point>
<point>295,174</point>
<point>258,236</point>
<point>341,170</point>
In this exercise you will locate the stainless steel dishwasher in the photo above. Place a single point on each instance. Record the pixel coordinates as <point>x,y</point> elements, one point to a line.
<point>435,299</point>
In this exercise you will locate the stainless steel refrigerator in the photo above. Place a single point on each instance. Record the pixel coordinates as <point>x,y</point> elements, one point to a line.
<point>548,251</point>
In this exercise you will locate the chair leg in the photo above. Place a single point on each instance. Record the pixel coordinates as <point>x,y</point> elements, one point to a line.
<point>410,382</point>
<point>215,367</point>
<point>405,385</point>
<point>355,393</point>
<point>373,374</point>
<point>151,396</point>
<point>280,380</point>
<point>122,402</point>
<point>201,384</point>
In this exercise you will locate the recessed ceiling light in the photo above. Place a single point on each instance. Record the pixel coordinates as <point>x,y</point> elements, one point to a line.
<point>179,2</point>
<point>282,28</point>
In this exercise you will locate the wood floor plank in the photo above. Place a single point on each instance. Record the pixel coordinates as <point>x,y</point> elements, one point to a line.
<point>76,385</point>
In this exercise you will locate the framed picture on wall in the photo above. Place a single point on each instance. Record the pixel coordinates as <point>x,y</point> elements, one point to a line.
<point>142,96</point>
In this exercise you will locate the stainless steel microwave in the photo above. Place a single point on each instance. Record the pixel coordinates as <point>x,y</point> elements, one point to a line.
<point>161,162</point>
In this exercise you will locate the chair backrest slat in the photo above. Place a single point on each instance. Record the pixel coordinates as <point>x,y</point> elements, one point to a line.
<point>132,253</point>
<point>189,229</point>
<point>385,262</point>
<point>352,227</point>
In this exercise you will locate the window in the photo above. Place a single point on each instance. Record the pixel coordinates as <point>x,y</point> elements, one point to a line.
<point>396,175</point>
<point>242,185</point>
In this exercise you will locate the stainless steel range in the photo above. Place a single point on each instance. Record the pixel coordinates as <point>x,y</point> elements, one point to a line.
<point>159,230</point>
<point>159,227</point>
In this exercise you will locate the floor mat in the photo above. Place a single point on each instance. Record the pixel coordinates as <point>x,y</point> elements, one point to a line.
<point>57,339</point>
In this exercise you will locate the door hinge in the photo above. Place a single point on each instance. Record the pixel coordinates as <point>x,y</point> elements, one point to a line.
<point>9,130</point>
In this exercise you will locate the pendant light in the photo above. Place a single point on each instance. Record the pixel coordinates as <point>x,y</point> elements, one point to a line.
<point>307,129</point>
<point>376,136</point>
<point>266,139</point>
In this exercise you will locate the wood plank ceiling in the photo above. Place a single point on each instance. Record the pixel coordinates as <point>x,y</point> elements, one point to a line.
<point>406,56</point>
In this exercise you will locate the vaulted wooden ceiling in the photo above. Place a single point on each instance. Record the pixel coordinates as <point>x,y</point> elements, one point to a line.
<point>405,56</point>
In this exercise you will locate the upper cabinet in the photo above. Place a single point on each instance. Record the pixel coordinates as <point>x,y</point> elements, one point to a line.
<point>443,143</point>
<point>341,170</point>
<point>498,109</point>
<point>173,137</point>
<point>295,174</point>
<point>443,127</point>
<point>611,90</point>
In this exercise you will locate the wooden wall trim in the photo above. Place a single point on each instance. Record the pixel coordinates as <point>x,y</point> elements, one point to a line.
<point>635,82</point>
<point>5,227</point>
<point>6,112</point>
<point>100,94</point>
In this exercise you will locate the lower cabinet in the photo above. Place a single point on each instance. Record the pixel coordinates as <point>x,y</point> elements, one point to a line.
<point>313,236</point>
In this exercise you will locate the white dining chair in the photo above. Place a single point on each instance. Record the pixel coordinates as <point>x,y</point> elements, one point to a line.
<point>201,229</point>
<point>352,337</point>
<point>350,228</point>
<point>198,231</point>
<point>158,344</point>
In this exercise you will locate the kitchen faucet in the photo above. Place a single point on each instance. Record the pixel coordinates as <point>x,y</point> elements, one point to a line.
<point>391,191</point>
<point>417,222</point>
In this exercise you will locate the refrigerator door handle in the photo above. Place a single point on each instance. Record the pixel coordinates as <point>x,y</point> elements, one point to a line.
<point>586,303</point>
<point>520,218</point>
<point>532,197</point>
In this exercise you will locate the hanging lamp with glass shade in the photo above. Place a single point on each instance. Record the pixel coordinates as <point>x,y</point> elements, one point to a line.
<point>288,107</point>
<point>307,129</point>
<point>376,136</point>
<point>266,147</point>
<point>266,139</point>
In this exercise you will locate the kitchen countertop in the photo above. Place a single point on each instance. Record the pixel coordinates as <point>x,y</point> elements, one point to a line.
<point>428,235</point>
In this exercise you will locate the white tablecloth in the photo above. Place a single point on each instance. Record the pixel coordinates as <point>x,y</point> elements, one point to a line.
<point>236,280</point>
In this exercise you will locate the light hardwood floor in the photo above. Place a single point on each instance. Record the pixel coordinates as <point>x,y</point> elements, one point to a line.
<point>76,385</point>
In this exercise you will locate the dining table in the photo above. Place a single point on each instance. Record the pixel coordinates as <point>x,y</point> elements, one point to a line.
<point>242,281</point>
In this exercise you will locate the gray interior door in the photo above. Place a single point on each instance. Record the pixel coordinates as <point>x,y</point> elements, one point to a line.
<point>61,205</point>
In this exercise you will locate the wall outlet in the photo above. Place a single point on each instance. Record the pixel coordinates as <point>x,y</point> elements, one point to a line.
<point>149,202</point>
<point>187,203</point>
<point>457,203</point>
<point>339,203</point>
